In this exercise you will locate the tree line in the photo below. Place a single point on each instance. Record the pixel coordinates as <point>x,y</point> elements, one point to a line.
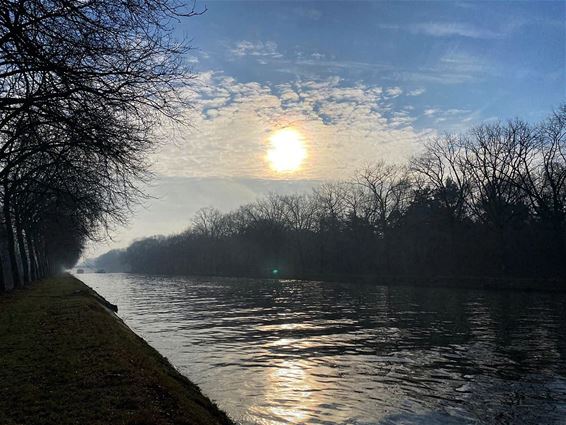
<point>488,202</point>
<point>83,85</point>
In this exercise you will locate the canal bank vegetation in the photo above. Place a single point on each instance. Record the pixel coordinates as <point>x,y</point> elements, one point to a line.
<point>83,86</point>
<point>66,359</point>
<point>488,205</point>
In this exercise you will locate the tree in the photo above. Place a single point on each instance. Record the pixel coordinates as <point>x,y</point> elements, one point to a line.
<point>488,202</point>
<point>83,85</point>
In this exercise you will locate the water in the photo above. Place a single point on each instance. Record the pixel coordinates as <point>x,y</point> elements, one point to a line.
<point>289,352</point>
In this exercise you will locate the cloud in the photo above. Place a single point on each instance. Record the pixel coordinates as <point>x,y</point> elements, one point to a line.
<point>258,49</point>
<point>429,112</point>
<point>308,13</point>
<point>462,66</point>
<point>453,67</point>
<point>452,119</point>
<point>416,92</point>
<point>345,126</point>
<point>393,92</point>
<point>451,29</point>
<point>455,29</point>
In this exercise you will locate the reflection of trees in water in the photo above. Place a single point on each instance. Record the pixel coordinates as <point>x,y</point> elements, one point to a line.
<point>500,353</point>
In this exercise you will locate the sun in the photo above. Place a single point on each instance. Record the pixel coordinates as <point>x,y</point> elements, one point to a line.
<point>286,150</point>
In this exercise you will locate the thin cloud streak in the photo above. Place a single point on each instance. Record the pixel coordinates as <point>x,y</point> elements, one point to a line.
<point>454,29</point>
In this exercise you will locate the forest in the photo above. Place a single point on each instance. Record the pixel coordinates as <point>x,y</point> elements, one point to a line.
<point>490,201</point>
<point>83,86</point>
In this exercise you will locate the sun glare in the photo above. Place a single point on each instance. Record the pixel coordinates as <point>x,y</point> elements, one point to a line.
<point>286,150</point>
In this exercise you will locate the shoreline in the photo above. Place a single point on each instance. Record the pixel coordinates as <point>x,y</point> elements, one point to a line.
<point>464,282</point>
<point>67,359</point>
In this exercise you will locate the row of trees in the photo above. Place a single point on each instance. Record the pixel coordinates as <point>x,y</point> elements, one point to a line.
<point>83,84</point>
<point>490,202</point>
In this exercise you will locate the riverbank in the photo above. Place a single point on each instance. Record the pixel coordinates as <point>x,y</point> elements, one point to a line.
<point>66,359</point>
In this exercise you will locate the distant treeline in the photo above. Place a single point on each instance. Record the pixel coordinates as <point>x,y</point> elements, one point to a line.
<point>489,202</point>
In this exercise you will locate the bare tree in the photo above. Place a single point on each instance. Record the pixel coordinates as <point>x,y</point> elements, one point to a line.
<point>83,85</point>
<point>488,202</point>
<point>387,188</point>
<point>439,167</point>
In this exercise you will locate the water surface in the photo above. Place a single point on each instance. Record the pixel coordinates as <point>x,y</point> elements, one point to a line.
<point>290,352</point>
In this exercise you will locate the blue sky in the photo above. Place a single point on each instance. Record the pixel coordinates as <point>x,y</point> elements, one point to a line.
<point>495,59</point>
<point>361,81</point>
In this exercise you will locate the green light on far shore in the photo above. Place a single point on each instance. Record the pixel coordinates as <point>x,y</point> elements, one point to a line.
<point>275,271</point>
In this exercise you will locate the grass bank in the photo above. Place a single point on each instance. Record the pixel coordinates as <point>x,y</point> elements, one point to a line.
<point>66,359</point>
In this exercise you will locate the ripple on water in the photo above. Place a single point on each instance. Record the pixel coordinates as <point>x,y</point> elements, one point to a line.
<point>291,352</point>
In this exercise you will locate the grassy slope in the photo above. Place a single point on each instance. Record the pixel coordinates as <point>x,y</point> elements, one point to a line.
<point>64,359</point>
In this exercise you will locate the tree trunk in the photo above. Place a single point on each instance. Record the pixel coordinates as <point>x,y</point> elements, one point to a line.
<point>46,262</point>
<point>3,286</point>
<point>23,250</point>
<point>39,253</point>
<point>32,257</point>
<point>11,241</point>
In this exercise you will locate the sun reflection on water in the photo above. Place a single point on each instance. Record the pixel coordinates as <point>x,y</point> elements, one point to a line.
<point>289,396</point>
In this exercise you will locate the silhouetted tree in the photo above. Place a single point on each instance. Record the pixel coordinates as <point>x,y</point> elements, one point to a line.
<point>488,202</point>
<point>83,86</point>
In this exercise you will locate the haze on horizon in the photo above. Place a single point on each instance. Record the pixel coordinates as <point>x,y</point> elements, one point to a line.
<point>358,82</point>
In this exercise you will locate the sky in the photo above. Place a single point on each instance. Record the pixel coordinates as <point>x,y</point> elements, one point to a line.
<point>359,81</point>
